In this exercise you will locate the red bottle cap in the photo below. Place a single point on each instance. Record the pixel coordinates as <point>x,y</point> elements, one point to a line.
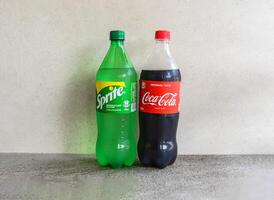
<point>162,35</point>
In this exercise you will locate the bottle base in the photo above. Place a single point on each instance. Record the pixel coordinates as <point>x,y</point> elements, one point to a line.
<point>115,164</point>
<point>157,163</point>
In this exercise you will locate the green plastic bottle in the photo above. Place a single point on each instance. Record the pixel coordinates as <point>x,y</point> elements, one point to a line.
<point>116,88</point>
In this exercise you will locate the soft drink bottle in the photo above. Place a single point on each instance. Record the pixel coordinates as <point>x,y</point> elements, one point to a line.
<point>116,87</point>
<point>159,106</point>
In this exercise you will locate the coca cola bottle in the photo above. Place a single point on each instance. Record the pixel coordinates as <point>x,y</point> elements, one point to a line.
<point>159,106</point>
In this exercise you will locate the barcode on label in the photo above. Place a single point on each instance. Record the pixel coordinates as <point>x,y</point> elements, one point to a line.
<point>133,107</point>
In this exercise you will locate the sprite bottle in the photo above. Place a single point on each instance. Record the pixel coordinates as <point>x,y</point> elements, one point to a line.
<point>116,88</point>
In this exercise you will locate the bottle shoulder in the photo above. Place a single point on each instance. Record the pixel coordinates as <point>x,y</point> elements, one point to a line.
<point>116,57</point>
<point>160,59</point>
<point>116,74</point>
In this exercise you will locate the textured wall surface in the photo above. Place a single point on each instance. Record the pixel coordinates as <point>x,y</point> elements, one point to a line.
<point>50,51</point>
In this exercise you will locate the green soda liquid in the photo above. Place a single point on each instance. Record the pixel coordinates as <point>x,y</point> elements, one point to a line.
<point>116,92</point>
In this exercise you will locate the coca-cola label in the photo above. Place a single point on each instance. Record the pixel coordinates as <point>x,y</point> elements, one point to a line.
<point>159,97</point>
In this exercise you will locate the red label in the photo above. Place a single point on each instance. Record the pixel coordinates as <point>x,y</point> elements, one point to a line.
<point>159,97</point>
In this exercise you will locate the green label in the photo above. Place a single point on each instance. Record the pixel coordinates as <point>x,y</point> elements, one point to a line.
<point>117,97</point>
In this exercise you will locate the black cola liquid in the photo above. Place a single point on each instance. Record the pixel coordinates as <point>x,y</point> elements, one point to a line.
<point>157,146</point>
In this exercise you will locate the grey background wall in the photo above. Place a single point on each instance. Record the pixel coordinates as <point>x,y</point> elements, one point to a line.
<point>50,51</point>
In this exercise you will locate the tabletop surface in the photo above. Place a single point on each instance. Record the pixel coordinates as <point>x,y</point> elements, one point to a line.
<point>57,176</point>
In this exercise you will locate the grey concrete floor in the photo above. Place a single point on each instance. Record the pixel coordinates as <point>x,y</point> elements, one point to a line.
<point>65,177</point>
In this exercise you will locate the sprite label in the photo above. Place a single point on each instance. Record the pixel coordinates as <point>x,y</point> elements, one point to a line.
<point>118,97</point>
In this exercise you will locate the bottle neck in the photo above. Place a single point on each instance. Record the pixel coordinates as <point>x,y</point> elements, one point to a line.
<point>163,45</point>
<point>117,43</point>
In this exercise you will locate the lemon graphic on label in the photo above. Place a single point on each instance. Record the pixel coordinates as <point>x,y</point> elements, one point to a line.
<point>110,88</point>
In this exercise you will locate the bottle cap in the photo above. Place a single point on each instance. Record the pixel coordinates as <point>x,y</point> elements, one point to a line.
<point>117,35</point>
<point>162,35</point>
